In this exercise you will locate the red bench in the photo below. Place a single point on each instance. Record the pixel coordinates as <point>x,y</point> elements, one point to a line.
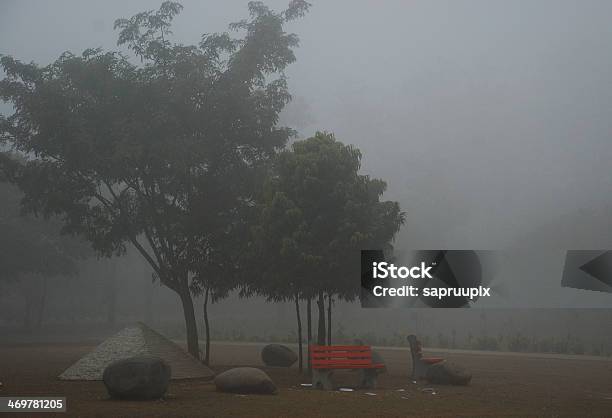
<point>325,358</point>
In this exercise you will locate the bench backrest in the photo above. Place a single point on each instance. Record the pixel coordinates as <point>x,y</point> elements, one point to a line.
<point>345,356</point>
<point>416,349</point>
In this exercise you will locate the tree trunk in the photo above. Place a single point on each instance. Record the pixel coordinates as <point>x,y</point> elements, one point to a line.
<point>73,307</point>
<point>27,317</point>
<point>321,331</point>
<point>206,329</point>
<point>299,325</point>
<point>309,326</point>
<point>148,298</point>
<point>191,326</point>
<point>43,302</point>
<point>329,316</point>
<point>112,293</point>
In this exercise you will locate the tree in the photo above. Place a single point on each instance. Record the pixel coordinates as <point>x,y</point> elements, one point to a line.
<point>162,155</point>
<point>317,213</point>
<point>31,252</point>
<point>273,277</point>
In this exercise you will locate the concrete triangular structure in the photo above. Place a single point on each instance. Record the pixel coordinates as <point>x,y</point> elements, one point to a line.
<point>133,341</point>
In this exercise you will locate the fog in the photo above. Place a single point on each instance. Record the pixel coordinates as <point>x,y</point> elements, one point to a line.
<point>490,120</point>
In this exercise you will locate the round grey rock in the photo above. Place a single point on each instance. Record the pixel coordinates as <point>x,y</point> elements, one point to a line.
<point>278,355</point>
<point>245,380</point>
<point>448,373</point>
<point>137,378</point>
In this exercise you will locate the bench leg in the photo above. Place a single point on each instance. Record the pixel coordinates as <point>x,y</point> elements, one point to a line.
<point>419,369</point>
<point>368,379</point>
<point>321,379</point>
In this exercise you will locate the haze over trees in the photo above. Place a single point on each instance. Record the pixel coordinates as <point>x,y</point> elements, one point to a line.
<point>32,252</point>
<point>162,155</point>
<point>477,140</point>
<point>176,151</point>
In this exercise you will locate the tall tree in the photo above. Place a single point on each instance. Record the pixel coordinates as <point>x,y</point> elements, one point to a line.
<point>162,155</point>
<point>317,213</point>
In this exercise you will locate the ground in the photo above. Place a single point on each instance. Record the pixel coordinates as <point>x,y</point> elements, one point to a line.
<point>504,384</point>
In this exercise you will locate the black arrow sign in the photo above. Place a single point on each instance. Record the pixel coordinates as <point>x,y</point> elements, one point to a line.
<point>600,268</point>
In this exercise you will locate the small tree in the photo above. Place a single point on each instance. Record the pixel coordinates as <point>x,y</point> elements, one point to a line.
<point>317,213</point>
<point>163,155</point>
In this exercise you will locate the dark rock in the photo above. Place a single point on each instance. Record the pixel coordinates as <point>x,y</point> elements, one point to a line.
<point>448,373</point>
<point>278,355</point>
<point>245,380</point>
<point>137,378</point>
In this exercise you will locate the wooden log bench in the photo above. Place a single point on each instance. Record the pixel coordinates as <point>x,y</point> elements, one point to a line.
<point>327,358</point>
<point>420,364</point>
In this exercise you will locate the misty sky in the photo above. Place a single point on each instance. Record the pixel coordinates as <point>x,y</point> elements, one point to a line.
<point>490,120</point>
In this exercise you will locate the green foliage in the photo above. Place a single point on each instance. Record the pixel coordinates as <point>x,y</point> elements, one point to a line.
<point>146,32</point>
<point>167,151</point>
<point>317,213</point>
<point>165,155</point>
<point>485,342</point>
<point>31,246</point>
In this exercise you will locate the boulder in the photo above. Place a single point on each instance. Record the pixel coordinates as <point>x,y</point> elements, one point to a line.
<point>447,373</point>
<point>245,380</point>
<point>137,378</point>
<point>278,355</point>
